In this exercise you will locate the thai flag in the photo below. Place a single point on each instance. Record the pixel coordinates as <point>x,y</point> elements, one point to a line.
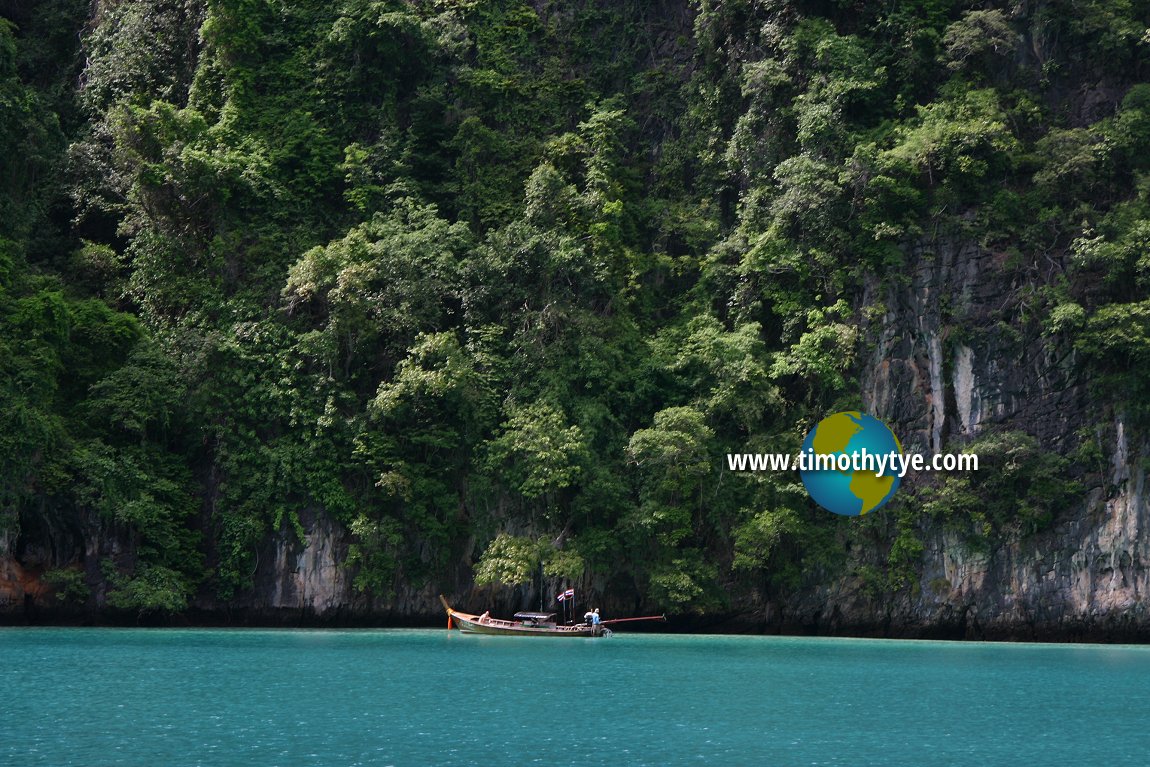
<point>568,594</point>
<point>561,596</point>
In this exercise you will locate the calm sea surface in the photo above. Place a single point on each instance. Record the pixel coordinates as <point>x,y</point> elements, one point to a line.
<point>158,698</point>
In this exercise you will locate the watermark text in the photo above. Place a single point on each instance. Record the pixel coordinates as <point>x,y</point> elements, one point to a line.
<point>879,464</point>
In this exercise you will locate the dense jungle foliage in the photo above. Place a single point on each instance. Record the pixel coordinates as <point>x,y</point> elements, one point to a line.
<point>496,285</point>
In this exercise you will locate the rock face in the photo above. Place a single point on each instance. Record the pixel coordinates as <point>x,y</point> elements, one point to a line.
<point>308,576</point>
<point>1083,578</point>
<point>953,355</point>
<point>951,358</point>
<point>18,586</point>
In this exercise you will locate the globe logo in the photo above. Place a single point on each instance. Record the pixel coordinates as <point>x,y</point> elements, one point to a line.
<point>849,487</point>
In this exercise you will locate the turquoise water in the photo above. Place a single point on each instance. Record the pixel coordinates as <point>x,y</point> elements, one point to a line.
<point>208,697</point>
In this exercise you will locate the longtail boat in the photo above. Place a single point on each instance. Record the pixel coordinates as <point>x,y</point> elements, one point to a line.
<point>530,624</point>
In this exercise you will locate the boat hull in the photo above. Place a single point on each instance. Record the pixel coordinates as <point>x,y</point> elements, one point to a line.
<point>475,624</point>
<point>484,624</point>
<point>531,624</point>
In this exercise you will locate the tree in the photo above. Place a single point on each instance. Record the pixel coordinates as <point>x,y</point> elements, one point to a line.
<point>672,459</point>
<point>537,451</point>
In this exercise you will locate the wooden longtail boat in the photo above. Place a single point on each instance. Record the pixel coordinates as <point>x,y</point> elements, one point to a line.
<point>530,624</point>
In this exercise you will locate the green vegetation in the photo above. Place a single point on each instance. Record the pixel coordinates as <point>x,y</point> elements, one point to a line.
<point>500,283</point>
<point>1023,494</point>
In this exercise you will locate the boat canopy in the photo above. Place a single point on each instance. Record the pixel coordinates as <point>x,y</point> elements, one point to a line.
<point>537,617</point>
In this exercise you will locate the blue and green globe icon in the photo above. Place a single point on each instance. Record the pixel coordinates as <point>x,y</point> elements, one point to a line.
<point>847,490</point>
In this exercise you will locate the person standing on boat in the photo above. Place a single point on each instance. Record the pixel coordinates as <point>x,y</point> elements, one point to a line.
<point>588,616</point>
<point>595,618</point>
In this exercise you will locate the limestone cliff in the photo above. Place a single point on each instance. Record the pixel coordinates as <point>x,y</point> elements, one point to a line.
<point>307,308</point>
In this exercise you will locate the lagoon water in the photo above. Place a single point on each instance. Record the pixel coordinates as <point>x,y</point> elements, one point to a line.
<point>152,697</point>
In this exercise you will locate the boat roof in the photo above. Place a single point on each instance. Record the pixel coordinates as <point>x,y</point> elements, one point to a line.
<point>534,616</point>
